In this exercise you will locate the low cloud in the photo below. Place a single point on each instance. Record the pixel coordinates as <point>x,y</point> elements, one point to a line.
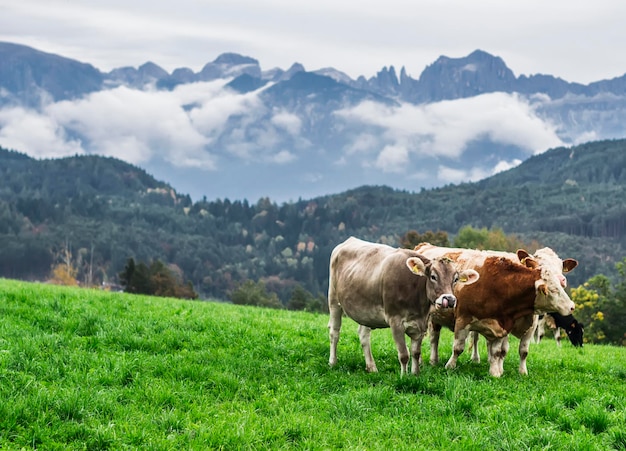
<point>288,122</point>
<point>451,175</point>
<point>444,129</point>
<point>138,126</point>
<point>36,134</point>
<point>201,125</point>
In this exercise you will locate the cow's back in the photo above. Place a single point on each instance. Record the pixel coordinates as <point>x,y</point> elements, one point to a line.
<point>363,275</point>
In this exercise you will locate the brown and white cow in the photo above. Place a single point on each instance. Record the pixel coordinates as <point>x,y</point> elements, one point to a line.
<point>506,298</point>
<point>379,286</point>
<point>525,328</point>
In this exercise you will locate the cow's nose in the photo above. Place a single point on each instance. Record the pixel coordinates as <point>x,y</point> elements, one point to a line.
<point>450,299</point>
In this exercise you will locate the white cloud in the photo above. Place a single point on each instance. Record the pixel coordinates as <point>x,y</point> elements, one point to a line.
<point>288,122</point>
<point>444,129</point>
<point>134,126</point>
<point>138,126</point>
<point>451,175</point>
<point>283,157</point>
<point>505,165</point>
<point>393,159</point>
<point>215,108</point>
<point>364,142</point>
<point>35,134</point>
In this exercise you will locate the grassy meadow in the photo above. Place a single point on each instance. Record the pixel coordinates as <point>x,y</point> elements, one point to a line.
<point>86,369</point>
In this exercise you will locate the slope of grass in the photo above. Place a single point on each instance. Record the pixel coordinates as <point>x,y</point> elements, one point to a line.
<point>85,369</point>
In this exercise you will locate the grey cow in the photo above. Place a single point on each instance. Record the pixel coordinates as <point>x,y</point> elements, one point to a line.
<point>379,286</point>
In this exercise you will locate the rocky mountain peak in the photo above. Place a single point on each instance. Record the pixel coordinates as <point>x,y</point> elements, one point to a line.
<point>478,73</point>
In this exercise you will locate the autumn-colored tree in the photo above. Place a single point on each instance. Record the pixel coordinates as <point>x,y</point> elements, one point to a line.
<point>63,275</point>
<point>64,271</point>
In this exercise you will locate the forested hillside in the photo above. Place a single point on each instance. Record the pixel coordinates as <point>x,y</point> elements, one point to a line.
<point>105,211</point>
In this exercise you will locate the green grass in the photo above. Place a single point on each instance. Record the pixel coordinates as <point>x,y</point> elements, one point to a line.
<point>84,369</point>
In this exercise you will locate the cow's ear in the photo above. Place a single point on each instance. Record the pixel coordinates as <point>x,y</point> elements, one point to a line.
<point>416,265</point>
<point>522,254</point>
<point>543,288</point>
<point>529,262</point>
<point>569,264</point>
<point>468,276</point>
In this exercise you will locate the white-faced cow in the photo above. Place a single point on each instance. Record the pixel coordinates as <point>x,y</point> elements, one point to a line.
<point>525,328</point>
<point>379,286</point>
<point>507,296</point>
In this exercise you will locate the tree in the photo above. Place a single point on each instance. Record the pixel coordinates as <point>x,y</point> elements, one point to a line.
<point>601,307</point>
<point>156,280</point>
<point>493,239</point>
<point>62,275</point>
<point>251,293</point>
<point>412,238</point>
<point>590,298</point>
<point>64,272</point>
<point>615,308</point>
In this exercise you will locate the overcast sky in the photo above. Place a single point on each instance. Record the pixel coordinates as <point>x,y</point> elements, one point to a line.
<point>579,41</point>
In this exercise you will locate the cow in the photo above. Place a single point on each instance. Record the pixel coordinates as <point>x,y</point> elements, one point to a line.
<point>525,328</point>
<point>574,329</point>
<point>379,286</point>
<point>511,290</point>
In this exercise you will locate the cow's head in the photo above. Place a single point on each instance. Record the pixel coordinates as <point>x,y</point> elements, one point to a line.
<point>547,257</point>
<point>575,332</point>
<point>550,293</point>
<point>442,278</point>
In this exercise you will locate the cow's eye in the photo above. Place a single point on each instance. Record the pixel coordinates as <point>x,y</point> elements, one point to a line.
<point>456,279</point>
<point>433,277</point>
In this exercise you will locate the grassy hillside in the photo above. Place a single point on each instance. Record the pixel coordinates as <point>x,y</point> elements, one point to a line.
<point>83,369</point>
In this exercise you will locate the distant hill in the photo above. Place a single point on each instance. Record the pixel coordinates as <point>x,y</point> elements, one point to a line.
<point>105,211</point>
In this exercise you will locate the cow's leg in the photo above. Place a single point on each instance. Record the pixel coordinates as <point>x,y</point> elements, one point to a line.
<point>497,349</point>
<point>557,336</point>
<point>524,346</point>
<point>334,329</point>
<point>398,331</point>
<point>459,346</point>
<point>539,331</point>
<point>364,336</point>
<point>416,352</point>
<point>503,352</point>
<point>475,355</point>
<point>434,332</point>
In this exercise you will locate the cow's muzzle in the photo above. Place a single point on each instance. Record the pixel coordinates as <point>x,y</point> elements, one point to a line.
<point>446,301</point>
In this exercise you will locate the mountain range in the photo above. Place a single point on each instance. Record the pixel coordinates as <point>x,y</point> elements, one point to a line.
<point>233,130</point>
